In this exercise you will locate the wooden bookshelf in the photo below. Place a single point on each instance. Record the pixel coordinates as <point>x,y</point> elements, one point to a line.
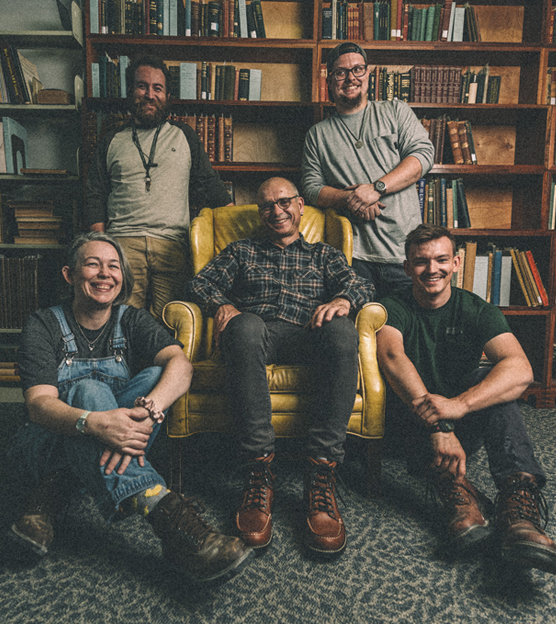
<point>508,192</point>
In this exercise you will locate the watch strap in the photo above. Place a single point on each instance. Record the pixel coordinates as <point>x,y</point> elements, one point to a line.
<point>442,426</point>
<point>80,424</point>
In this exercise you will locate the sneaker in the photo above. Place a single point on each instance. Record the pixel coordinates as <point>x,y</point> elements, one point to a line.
<point>254,516</point>
<point>463,509</point>
<point>191,544</point>
<point>34,530</point>
<point>521,509</point>
<point>325,531</point>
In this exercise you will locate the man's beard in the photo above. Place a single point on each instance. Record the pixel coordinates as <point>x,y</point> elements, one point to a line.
<point>149,120</point>
<point>350,103</point>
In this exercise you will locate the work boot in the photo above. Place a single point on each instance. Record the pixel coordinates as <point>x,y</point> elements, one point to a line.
<point>464,507</point>
<point>254,516</point>
<point>521,509</point>
<point>191,544</point>
<point>34,530</point>
<point>325,531</point>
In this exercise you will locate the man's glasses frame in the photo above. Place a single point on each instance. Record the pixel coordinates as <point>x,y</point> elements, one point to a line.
<point>283,202</point>
<point>341,74</point>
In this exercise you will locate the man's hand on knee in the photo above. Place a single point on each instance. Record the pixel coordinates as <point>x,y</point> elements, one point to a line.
<point>221,319</point>
<point>326,312</point>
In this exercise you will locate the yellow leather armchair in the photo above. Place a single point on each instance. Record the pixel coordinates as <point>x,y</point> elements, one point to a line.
<point>204,407</point>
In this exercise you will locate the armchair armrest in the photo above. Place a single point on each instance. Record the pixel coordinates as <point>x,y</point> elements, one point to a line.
<point>187,322</point>
<point>339,233</point>
<point>369,320</point>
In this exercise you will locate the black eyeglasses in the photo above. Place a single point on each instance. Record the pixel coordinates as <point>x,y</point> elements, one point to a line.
<point>283,202</point>
<point>358,71</point>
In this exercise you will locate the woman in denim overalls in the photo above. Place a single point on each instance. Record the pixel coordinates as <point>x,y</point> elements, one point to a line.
<point>93,430</point>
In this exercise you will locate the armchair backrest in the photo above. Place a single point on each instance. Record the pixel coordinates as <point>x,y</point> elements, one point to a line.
<point>214,228</point>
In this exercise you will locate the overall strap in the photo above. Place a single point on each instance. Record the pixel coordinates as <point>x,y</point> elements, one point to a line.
<point>118,342</point>
<point>70,346</point>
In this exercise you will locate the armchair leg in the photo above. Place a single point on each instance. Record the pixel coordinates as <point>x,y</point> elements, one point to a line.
<point>374,467</point>
<point>176,464</point>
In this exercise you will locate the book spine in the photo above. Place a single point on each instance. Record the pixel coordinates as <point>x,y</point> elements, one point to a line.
<point>453,135</point>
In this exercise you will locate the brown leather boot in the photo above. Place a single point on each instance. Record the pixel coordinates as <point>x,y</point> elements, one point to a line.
<point>254,516</point>
<point>521,509</point>
<point>34,530</point>
<point>463,507</point>
<point>325,532</point>
<point>191,544</point>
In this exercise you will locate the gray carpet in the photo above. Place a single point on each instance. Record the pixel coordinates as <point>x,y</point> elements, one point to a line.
<point>394,569</point>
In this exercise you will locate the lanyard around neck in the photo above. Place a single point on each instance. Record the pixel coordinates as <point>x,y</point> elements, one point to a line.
<point>147,164</point>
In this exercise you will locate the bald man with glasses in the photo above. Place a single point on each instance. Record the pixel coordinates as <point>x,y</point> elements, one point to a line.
<point>364,160</point>
<point>281,300</point>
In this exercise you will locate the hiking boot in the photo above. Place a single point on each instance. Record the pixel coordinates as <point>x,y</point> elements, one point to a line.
<point>464,507</point>
<point>34,530</point>
<point>191,544</point>
<point>254,516</point>
<point>521,509</point>
<point>325,532</point>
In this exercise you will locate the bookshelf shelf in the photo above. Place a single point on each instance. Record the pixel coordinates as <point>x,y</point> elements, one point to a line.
<point>42,39</point>
<point>54,110</point>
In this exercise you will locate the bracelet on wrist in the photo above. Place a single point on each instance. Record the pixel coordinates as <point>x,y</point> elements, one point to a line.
<point>442,426</point>
<point>156,414</point>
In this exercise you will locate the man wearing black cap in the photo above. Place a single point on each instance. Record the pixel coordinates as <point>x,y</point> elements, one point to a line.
<point>365,159</point>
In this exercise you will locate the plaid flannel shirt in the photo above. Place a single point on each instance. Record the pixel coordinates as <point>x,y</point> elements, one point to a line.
<point>273,283</point>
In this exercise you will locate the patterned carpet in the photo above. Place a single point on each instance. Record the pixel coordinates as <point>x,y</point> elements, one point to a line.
<point>394,569</point>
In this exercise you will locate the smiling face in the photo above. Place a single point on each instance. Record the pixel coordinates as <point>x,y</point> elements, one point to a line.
<point>349,94</point>
<point>282,224</point>
<point>150,100</point>
<point>431,265</point>
<point>97,277</point>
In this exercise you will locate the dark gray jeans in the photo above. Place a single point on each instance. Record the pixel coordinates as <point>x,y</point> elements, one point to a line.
<point>249,344</point>
<point>386,277</point>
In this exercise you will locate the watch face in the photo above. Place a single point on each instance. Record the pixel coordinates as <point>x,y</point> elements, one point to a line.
<point>380,186</point>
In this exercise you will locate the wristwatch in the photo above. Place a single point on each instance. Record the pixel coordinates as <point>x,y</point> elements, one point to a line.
<point>80,424</point>
<point>380,187</point>
<point>443,426</point>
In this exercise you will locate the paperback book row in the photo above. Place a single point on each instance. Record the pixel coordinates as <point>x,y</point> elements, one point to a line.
<point>178,18</point>
<point>434,84</point>
<point>453,141</point>
<point>19,79</point>
<point>19,288</point>
<point>31,222</point>
<point>443,202</point>
<point>396,20</point>
<point>188,81</point>
<point>502,276</point>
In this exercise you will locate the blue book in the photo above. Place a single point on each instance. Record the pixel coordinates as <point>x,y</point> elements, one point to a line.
<point>122,67</point>
<point>188,18</point>
<point>496,277</point>
<point>188,81</point>
<point>15,145</point>
<point>327,22</point>
<point>255,78</point>
<point>94,16</point>
<point>95,79</point>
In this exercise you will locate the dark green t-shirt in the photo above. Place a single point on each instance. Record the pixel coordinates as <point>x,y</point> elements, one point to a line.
<point>445,344</point>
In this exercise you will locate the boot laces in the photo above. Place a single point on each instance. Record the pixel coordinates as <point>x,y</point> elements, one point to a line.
<point>523,500</point>
<point>321,484</point>
<point>259,480</point>
<point>186,518</point>
<point>447,493</point>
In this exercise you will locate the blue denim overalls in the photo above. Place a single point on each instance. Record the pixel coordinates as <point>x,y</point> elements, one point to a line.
<point>97,385</point>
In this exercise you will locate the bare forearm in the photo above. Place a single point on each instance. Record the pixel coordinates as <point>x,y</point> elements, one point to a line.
<point>173,383</point>
<point>53,414</point>
<point>403,377</point>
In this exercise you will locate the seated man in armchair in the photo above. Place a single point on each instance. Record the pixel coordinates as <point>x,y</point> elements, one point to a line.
<point>282,300</point>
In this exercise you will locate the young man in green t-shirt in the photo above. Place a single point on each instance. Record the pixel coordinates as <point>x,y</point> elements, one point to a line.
<point>429,352</point>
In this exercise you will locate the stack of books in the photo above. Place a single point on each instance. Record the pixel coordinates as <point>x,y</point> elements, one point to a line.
<point>178,18</point>
<point>443,202</point>
<point>501,275</point>
<point>9,372</point>
<point>36,223</point>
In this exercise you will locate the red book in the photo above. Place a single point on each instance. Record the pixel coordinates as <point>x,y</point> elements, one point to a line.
<point>537,277</point>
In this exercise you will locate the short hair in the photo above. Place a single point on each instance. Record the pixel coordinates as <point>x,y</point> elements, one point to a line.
<point>426,232</point>
<point>90,237</point>
<point>146,60</point>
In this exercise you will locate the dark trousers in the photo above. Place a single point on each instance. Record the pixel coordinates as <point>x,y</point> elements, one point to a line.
<point>249,344</point>
<point>387,278</point>
<point>499,428</point>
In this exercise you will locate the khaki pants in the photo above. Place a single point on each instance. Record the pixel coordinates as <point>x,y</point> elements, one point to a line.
<point>161,268</point>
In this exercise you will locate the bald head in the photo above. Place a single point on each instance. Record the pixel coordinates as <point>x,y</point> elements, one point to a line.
<point>272,183</point>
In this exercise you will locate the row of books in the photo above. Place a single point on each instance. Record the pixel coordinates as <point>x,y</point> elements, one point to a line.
<point>188,81</point>
<point>19,288</point>
<point>502,276</point>
<point>19,80</point>
<point>443,202</point>
<point>453,141</point>
<point>216,134</point>
<point>396,20</point>
<point>179,18</point>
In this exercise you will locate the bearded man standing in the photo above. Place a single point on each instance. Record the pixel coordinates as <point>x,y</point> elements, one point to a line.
<point>142,183</point>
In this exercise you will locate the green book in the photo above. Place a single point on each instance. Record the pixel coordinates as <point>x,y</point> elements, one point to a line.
<point>455,201</point>
<point>430,22</point>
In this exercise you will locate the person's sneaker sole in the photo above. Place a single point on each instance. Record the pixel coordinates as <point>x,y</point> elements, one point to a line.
<point>23,540</point>
<point>528,555</point>
<point>472,536</point>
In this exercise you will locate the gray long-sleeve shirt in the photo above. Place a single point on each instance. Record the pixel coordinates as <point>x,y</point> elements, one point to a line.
<point>390,133</point>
